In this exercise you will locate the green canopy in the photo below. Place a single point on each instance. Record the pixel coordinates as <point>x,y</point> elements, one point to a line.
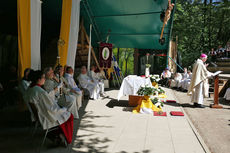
<point>129,23</point>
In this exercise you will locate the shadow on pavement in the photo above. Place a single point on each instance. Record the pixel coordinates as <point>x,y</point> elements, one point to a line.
<point>114,103</point>
<point>82,143</point>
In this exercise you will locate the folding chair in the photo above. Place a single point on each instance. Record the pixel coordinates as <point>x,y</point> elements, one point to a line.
<point>35,113</point>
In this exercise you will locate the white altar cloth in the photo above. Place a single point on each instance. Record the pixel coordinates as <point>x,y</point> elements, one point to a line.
<point>131,85</point>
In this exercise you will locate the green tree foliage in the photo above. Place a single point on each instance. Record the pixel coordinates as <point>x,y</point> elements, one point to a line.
<point>126,60</point>
<point>200,25</point>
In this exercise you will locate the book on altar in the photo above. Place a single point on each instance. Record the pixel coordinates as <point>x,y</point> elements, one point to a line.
<point>217,73</point>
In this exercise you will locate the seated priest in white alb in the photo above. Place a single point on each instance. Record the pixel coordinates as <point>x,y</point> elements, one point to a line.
<point>49,112</point>
<point>165,76</point>
<point>186,82</point>
<point>89,84</point>
<point>176,80</point>
<point>184,77</point>
<point>227,95</point>
<point>55,90</point>
<point>23,86</point>
<point>69,85</point>
<point>197,86</point>
<point>24,83</point>
<point>97,78</point>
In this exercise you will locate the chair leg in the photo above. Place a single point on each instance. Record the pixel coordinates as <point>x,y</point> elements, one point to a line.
<point>35,129</point>
<point>43,141</point>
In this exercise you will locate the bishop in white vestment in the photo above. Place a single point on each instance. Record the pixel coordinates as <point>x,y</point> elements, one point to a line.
<point>87,83</point>
<point>197,86</point>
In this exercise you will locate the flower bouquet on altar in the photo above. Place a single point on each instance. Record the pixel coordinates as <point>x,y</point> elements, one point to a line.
<point>155,79</point>
<point>161,93</point>
<point>147,66</point>
<point>147,106</point>
<point>147,72</point>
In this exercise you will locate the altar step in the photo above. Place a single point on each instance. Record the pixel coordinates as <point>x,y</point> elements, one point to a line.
<point>223,59</point>
<point>223,64</point>
<point>226,69</point>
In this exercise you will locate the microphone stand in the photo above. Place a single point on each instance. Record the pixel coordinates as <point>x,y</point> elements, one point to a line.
<point>60,42</point>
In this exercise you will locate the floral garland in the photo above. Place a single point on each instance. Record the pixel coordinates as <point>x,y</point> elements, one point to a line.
<point>154,78</point>
<point>149,91</point>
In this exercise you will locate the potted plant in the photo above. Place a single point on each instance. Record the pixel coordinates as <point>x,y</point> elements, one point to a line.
<point>153,105</point>
<point>146,92</point>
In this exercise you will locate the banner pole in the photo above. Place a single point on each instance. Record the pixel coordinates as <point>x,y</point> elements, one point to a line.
<point>89,54</point>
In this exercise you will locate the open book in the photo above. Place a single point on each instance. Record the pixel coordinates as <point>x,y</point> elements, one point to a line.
<point>217,73</point>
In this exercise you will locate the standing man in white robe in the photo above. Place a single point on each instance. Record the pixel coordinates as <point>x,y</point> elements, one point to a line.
<point>54,89</point>
<point>87,83</point>
<point>197,86</point>
<point>96,77</point>
<point>70,85</point>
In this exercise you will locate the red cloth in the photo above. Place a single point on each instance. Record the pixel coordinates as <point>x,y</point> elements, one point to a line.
<point>170,101</point>
<point>176,113</point>
<point>143,76</point>
<point>67,129</point>
<point>157,114</point>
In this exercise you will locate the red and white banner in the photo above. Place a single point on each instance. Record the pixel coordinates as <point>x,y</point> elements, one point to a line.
<point>105,55</point>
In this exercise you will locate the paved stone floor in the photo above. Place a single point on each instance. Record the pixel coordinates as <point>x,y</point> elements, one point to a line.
<point>212,124</point>
<point>108,126</point>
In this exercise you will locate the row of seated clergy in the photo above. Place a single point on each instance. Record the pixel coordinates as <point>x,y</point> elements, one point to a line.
<point>50,114</point>
<point>59,93</point>
<point>181,80</point>
<point>98,78</point>
<point>94,88</point>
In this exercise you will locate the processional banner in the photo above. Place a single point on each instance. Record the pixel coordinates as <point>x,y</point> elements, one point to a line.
<point>105,55</point>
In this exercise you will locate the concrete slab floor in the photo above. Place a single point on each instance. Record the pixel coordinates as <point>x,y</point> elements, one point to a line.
<point>108,126</point>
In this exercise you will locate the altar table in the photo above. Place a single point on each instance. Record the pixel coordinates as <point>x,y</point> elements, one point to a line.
<point>131,85</point>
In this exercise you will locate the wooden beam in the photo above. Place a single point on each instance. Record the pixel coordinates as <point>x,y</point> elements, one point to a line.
<point>82,34</point>
<point>136,61</point>
<point>93,53</point>
<point>81,46</point>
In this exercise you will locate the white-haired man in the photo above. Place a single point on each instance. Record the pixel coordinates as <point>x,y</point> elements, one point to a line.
<point>89,84</point>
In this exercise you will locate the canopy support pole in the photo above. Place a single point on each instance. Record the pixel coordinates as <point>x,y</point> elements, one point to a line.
<point>89,54</point>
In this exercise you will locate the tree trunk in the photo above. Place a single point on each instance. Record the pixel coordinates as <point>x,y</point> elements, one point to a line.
<point>209,25</point>
<point>126,63</point>
<point>126,66</point>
